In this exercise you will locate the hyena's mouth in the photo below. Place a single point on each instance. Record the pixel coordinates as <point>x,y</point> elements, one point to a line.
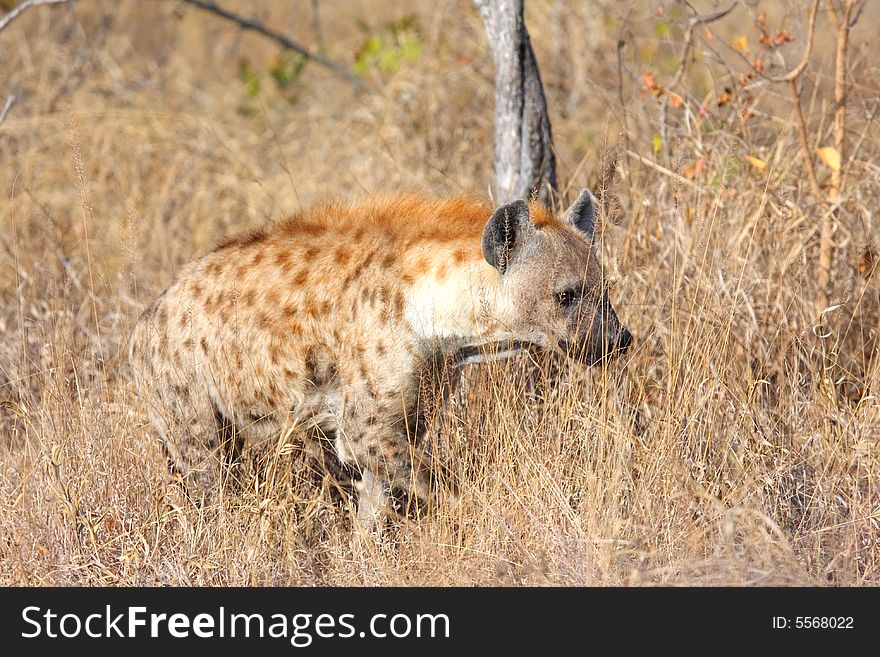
<point>591,356</point>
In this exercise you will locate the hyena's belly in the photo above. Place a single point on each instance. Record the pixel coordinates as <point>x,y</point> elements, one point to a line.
<point>259,417</point>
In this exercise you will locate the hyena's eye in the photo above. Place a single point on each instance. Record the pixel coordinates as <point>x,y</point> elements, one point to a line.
<point>567,298</point>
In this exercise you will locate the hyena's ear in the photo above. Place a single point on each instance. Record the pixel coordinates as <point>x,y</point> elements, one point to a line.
<point>582,213</point>
<point>504,231</point>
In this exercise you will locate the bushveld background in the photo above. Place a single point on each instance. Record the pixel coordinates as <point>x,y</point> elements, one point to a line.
<point>737,443</point>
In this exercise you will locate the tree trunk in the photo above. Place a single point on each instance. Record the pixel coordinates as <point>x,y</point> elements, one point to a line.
<point>524,160</point>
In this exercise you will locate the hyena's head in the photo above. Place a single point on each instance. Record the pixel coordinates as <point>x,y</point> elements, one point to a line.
<point>552,279</point>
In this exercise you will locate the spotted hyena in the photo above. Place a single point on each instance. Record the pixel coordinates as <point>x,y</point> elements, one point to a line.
<point>338,317</point>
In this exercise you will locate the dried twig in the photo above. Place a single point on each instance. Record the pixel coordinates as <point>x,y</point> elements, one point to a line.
<point>842,26</point>
<point>804,140</point>
<point>666,172</point>
<point>9,102</point>
<point>281,39</point>
<point>23,7</point>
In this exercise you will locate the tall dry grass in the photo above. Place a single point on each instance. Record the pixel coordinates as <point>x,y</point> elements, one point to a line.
<point>737,443</point>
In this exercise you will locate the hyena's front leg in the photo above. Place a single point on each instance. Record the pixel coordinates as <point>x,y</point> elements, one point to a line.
<point>378,440</point>
<point>373,500</point>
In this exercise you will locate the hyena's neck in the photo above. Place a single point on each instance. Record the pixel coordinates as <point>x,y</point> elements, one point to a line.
<point>466,305</point>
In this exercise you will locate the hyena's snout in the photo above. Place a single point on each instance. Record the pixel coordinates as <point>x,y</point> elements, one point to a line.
<point>622,342</point>
<point>601,338</point>
<point>611,338</point>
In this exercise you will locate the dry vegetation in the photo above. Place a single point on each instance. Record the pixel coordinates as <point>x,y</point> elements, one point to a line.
<point>739,441</point>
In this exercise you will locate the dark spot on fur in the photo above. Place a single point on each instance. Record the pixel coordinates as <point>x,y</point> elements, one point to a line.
<point>342,256</point>
<point>204,343</point>
<point>421,266</point>
<point>309,229</point>
<point>312,366</point>
<point>276,353</point>
<point>264,321</point>
<point>214,301</point>
<point>283,261</point>
<point>252,237</point>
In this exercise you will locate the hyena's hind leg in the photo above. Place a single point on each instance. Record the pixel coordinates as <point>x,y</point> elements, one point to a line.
<point>200,443</point>
<point>196,438</point>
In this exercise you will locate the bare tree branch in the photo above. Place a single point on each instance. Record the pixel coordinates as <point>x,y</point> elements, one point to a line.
<point>791,77</point>
<point>688,38</point>
<point>842,23</point>
<point>242,22</point>
<point>794,73</point>
<point>23,7</point>
<point>281,39</point>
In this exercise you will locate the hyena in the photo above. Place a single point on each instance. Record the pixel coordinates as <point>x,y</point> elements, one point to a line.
<point>337,318</point>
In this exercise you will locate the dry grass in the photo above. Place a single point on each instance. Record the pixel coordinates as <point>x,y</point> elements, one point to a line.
<point>737,444</point>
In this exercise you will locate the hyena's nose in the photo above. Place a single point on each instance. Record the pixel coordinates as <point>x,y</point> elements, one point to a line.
<point>624,340</point>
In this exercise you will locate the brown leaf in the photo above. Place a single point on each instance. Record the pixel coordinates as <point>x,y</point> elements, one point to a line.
<point>756,162</point>
<point>830,157</point>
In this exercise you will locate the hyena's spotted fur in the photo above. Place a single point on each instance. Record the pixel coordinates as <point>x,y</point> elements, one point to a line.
<point>341,316</point>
